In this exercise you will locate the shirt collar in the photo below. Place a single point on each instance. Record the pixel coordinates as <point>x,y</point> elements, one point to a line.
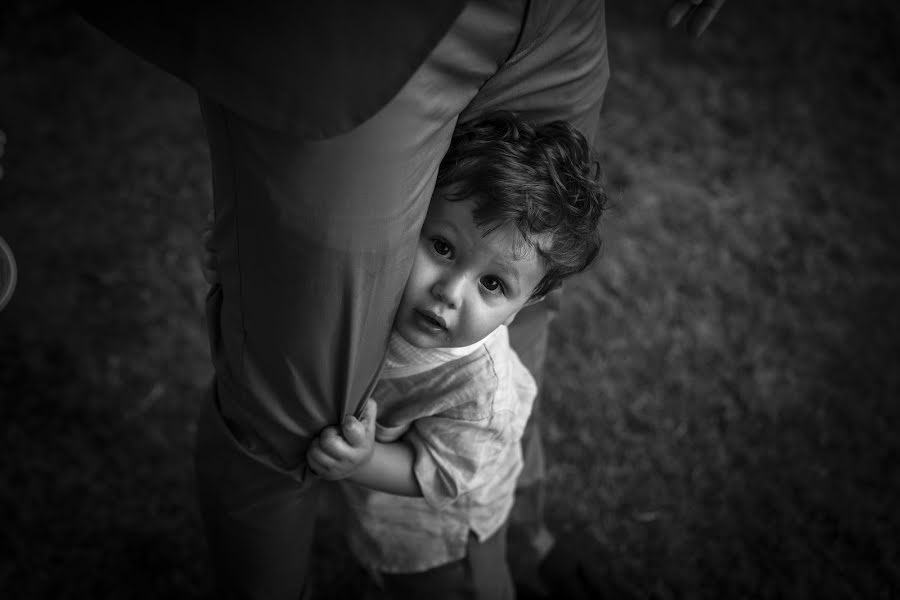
<point>402,358</point>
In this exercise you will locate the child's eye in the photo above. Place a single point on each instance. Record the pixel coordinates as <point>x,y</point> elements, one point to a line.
<point>440,246</point>
<point>492,284</point>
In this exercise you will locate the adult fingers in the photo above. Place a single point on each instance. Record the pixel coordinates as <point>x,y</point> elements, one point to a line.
<point>678,10</point>
<point>703,15</point>
<point>697,14</point>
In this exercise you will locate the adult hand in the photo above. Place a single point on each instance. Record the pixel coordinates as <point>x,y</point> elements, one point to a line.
<point>336,454</point>
<point>695,14</point>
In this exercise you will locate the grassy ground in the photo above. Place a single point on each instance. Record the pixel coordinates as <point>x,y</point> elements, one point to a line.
<point>723,389</point>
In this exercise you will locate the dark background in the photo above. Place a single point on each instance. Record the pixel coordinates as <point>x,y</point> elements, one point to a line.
<point>722,399</point>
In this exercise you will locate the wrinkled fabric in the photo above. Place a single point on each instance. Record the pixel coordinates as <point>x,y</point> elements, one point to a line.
<point>464,412</point>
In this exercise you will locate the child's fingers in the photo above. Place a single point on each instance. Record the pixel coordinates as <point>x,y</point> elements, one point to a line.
<point>353,431</point>
<point>318,460</point>
<point>333,444</point>
<point>358,431</point>
<point>318,468</point>
<point>370,412</point>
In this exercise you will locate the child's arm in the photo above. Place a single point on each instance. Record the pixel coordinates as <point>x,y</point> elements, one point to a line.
<point>352,453</point>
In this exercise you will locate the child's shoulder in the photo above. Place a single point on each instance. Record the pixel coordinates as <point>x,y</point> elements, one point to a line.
<point>512,388</point>
<point>475,376</point>
<point>509,376</point>
<point>499,353</point>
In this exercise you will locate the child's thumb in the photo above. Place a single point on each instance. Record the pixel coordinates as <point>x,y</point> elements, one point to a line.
<point>369,413</point>
<point>355,431</point>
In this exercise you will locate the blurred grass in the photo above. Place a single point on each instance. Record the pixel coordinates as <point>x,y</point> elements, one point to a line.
<point>722,398</point>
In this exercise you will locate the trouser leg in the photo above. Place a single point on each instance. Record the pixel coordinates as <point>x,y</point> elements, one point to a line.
<point>259,534</point>
<point>314,242</point>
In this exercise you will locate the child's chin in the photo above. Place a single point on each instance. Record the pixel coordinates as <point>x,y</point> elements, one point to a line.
<point>418,339</point>
<point>422,334</point>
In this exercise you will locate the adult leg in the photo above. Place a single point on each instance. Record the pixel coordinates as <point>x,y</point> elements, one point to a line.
<point>314,241</point>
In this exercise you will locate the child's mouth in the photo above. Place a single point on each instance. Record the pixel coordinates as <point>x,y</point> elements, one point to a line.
<point>431,320</point>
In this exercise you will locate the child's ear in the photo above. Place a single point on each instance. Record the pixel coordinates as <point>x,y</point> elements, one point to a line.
<point>529,302</point>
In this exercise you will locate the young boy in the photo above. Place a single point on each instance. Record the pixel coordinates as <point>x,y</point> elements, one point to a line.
<point>430,484</point>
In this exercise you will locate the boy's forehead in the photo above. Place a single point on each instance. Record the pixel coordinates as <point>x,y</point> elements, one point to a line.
<point>509,246</point>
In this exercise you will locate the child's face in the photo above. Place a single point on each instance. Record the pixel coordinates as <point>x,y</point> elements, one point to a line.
<point>463,285</point>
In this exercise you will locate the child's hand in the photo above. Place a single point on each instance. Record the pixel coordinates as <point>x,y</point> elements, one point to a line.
<point>209,262</point>
<point>336,454</point>
<point>696,14</point>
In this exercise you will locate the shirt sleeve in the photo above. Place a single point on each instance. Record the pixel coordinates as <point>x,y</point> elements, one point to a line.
<point>455,456</point>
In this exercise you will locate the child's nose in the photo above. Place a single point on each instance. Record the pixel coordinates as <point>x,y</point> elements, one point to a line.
<point>449,290</point>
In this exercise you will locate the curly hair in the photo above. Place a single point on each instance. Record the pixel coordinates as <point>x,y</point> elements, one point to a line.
<point>541,179</point>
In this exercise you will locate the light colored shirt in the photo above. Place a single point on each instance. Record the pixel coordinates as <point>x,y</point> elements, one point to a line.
<point>463,410</point>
